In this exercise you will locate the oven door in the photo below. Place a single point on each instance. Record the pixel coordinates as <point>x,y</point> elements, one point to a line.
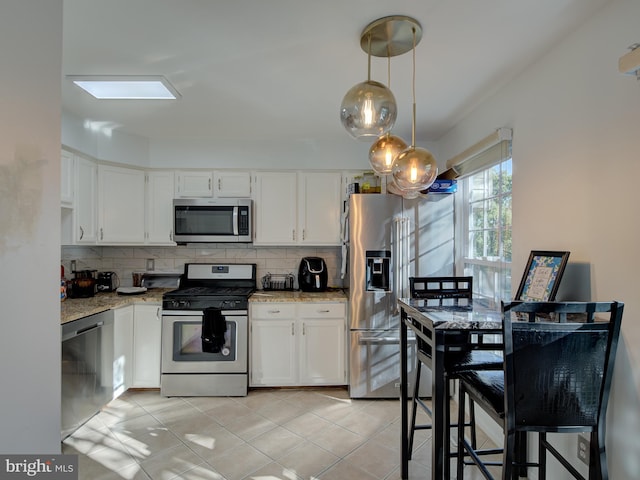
<point>182,343</point>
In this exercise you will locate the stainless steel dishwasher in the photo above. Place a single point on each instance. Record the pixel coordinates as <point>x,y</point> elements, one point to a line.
<point>87,369</point>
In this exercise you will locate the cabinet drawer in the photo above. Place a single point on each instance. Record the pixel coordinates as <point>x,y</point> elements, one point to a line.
<point>273,310</point>
<point>322,310</point>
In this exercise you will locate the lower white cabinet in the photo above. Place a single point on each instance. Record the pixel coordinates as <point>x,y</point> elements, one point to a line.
<point>122,349</point>
<point>147,329</point>
<point>137,346</point>
<point>297,344</point>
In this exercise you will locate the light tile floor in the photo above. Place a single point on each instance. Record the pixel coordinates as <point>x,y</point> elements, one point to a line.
<point>271,434</point>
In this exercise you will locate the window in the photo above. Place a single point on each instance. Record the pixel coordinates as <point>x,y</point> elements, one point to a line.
<point>483,230</point>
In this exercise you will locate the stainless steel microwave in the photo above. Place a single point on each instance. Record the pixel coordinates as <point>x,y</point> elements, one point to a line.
<point>212,220</point>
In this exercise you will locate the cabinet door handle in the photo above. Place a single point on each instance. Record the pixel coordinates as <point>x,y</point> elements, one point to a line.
<point>293,331</point>
<point>304,330</point>
<point>293,234</point>
<point>101,234</point>
<point>219,184</point>
<point>324,311</point>
<point>81,233</point>
<point>274,311</point>
<point>304,234</point>
<point>171,235</point>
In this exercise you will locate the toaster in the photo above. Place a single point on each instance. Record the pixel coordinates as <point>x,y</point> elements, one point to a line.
<point>107,282</point>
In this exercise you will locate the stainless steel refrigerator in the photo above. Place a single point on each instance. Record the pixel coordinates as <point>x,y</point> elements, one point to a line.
<point>388,239</point>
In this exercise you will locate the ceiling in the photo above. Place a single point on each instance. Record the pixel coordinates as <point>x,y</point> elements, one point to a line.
<point>277,70</point>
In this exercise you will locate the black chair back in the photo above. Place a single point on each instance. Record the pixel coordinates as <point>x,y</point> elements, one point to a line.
<point>558,369</point>
<point>442,291</point>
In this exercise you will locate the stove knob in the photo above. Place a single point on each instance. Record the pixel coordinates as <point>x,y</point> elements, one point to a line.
<point>225,351</point>
<point>175,304</point>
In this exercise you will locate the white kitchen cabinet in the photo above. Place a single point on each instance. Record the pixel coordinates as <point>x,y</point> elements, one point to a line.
<point>159,208</point>
<point>218,183</point>
<point>85,212</point>
<point>273,352</point>
<point>193,184</point>
<point>320,210</point>
<point>232,184</point>
<point>275,208</point>
<point>121,205</point>
<point>122,349</point>
<point>322,344</point>
<point>146,346</point>
<point>297,344</point>
<point>67,162</point>
<point>297,208</point>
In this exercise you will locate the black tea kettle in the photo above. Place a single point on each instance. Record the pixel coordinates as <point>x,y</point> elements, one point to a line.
<point>312,275</point>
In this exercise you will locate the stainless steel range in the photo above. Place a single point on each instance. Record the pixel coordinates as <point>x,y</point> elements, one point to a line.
<point>205,331</point>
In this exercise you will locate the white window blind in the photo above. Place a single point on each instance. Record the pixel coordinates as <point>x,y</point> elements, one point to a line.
<point>489,151</point>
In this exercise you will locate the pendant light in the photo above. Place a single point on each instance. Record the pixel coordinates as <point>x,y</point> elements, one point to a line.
<point>369,108</point>
<point>415,168</point>
<point>384,151</point>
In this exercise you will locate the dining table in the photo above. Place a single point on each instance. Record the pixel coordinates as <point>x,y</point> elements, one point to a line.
<point>445,331</point>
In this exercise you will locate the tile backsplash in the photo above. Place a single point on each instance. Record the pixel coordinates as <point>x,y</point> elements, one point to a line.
<point>126,260</point>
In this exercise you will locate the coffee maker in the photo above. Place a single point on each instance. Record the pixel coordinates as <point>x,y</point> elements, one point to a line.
<point>312,275</point>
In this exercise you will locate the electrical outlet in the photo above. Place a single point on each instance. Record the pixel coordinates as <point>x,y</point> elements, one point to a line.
<point>151,264</point>
<point>73,266</point>
<point>583,448</point>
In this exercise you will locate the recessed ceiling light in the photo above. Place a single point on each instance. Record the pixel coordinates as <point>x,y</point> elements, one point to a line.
<point>127,87</point>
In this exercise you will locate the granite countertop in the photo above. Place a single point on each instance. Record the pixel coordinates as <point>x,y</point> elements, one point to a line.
<point>297,296</point>
<point>75,308</point>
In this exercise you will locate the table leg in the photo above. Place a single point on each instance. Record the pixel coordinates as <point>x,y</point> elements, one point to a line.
<point>404,448</point>
<point>440,432</point>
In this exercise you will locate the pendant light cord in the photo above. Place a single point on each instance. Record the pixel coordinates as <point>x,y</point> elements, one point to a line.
<point>369,60</point>
<point>413,123</point>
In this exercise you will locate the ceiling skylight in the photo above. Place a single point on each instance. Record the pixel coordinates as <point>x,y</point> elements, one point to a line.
<point>128,87</point>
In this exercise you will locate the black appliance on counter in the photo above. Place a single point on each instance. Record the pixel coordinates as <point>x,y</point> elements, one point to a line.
<point>312,275</point>
<point>107,282</point>
<point>82,285</point>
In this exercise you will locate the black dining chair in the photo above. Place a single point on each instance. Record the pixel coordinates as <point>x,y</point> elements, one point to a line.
<point>445,292</point>
<point>558,366</point>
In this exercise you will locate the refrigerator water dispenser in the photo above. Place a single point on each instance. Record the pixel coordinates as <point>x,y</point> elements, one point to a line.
<point>378,262</point>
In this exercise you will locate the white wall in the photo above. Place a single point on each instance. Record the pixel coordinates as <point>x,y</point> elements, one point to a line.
<point>576,168</point>
<point>103,143</point>
<point>31,53</point>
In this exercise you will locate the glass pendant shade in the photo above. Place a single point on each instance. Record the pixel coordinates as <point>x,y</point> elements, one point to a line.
<point>415,169</point>
<point>368,110</point>
<point>384,151</point>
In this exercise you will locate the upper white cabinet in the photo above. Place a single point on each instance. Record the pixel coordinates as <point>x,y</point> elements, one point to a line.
<point>159,207</point>
<point>320,203</point>
<point>67,162</point>
<point>232,184</point>
<point>194,184</point>
<point>275,208</point>
<point>121,205</point>
<point>212,184</point>
<point>297,208</point>
<point>85,212</point>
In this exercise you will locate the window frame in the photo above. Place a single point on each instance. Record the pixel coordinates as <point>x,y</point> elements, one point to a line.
<point>481,268</point>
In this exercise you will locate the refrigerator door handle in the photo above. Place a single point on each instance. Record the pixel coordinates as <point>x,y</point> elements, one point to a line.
<point>395,242</point>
